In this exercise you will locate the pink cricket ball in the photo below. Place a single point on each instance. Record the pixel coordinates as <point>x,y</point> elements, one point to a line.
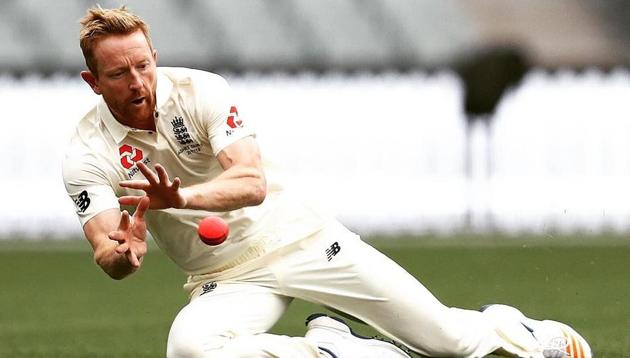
<point>213,230</point>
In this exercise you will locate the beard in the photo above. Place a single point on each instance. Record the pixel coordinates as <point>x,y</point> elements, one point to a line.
<point>137,114</point>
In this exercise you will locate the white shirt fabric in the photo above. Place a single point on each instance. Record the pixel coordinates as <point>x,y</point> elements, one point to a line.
<point>196,117</point>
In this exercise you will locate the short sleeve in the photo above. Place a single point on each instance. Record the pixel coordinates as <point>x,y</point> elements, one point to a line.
<point>218,111</point>
<point>88,189</point>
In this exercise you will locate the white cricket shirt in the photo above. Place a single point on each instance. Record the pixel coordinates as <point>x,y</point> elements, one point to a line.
<point>196,117</point>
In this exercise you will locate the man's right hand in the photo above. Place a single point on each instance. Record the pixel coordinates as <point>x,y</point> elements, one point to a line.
<point>131,234</point>
<point>118,239</point>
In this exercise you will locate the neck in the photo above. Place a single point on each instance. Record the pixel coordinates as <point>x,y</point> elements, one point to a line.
<point>145,123</point>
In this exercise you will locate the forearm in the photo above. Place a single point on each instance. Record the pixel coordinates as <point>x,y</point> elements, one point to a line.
<point>116,265</point>
<point>235,188</point>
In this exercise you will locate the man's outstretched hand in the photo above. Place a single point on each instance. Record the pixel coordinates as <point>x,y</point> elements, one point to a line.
<point>161,191</point>
<point>131,233</point>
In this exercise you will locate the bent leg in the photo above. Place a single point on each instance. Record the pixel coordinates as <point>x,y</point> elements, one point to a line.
<point>364,283</point>
<point>231,321</point>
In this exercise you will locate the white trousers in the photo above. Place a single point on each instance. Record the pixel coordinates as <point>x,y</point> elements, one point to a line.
<point>230,314</point>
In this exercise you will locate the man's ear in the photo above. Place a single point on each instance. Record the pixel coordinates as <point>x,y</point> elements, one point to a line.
<point>91,80</point>
<point>155,56</point>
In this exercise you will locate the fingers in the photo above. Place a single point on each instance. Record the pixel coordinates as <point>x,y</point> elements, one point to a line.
<point>130,200</point>
<point>143,206</point>
<point>124,221</point>
<point>131,256</point>
<point>151,178</point>
<point>176,183</point>
<point>162,192</point>
<point>136,201</point>
<point>148,173</point>
<point>122,248</point>
<point>124,236</point>
<point>133,259</point>
<point>162,175</point>
<point>135,184</point>
<point>117,236</point>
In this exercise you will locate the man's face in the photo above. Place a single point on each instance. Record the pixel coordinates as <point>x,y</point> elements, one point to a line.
<point>126,77</point>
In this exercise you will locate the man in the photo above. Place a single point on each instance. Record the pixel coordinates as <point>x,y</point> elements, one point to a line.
<point>169,144</point>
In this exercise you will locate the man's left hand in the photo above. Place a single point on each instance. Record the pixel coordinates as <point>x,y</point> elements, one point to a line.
<point>157,186</point>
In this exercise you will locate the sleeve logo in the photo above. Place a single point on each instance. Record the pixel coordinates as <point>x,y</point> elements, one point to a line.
<point>129,155</point>
<point>233,121</point>
<point>82,201</point>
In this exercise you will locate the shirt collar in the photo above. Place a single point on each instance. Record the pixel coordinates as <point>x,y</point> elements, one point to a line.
<point>118,130</point>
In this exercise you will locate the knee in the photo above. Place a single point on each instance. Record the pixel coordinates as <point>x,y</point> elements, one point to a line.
<point>189,340</point>
<point>182,344</point>
<point>213,346</point>
<point>179,347</point>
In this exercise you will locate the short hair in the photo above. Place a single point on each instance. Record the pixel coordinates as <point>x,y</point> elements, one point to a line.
<point>99,22</point>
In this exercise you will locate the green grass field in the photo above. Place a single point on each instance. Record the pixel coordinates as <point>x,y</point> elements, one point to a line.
<point>54,302</point>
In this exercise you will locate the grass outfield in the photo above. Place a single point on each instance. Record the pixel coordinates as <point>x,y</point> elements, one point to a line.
<point>56,303</point>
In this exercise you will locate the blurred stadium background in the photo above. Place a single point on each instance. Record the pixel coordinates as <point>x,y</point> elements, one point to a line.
<point>431,119</point>
<point>404,115</point>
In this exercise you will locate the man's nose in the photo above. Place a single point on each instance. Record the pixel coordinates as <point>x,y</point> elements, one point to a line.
<point>136,80</point>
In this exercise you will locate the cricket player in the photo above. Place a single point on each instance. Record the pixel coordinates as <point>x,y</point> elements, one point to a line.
<point>168,144</point>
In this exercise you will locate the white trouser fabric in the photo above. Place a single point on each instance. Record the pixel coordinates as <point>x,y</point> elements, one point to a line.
<point>239,305</point>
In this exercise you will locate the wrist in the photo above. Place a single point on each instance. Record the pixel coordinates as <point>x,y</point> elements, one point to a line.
<point>187,195</point>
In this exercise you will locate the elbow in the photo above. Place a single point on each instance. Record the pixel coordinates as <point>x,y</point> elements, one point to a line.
<point>259,192</point>
<point>258,199</point>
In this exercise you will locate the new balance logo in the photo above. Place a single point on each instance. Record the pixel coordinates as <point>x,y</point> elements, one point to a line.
<point>333,250</point>
<point>82,201</point>
<point>208,287</point>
